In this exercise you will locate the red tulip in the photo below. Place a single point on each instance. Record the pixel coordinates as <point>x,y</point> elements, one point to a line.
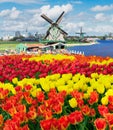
<point>75,117</point>
<point>93,98</point>
<point>31,115</point>
<point>92,112</point>
<point>103,110</point>
<point>100,124</point>
<point>85,110</point>
<point>21,108</point>
<point>40,96</point>
<point>110,106</point>
<point>25,127</point>
<point>63,123</point>
<point>109,118</point>
<point>45,124</point>
<point>1,119</point>
<point>110,99</point>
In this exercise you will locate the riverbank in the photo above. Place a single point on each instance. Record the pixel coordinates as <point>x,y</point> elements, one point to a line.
<point>82,44</point>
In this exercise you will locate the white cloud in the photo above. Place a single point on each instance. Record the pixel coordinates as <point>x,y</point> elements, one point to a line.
<point>81,24</point>
<point>13,26</point>
<point>32,11</point>
<point>102,8</point>
<point>100,17</point>
<point>81,14</point>
<point>4,12</point>
<point>12,14</point>
<point>73,27</point>
<point>45,9</point>
<point>55,11</point>
<point>103,28</point>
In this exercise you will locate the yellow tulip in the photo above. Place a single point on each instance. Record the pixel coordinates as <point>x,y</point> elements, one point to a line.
<point>100,89</point>
<point>15,80</point>
<point>94,75</point>
<point>70,83</point>
<point>109,92</point>
<point>34,92</point>
<point>86,96</point>
<point>89,90</point>
<point>104,100</point>
<point>73,102</point>
<point>62,87</point>
<point>107,84</point>
<point>76,86</point>
<point>76,78</point>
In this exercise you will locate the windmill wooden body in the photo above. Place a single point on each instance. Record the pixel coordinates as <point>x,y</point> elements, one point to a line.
<point>54,34</point>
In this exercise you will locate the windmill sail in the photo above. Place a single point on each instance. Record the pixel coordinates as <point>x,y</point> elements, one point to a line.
<point>46,18</point>
<point>62,31</point>
<point>47,33</point>
<point>59,18</point>
<point>81,31</point>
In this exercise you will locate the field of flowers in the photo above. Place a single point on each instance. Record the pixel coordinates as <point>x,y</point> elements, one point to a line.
<point>56,92</point>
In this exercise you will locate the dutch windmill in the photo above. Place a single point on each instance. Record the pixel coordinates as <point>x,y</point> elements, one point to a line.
<point>81,33</point>
<point>54,34</point>
<point>110,34</point>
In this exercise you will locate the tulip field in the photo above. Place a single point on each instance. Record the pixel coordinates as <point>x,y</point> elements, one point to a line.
<point>56,92</point>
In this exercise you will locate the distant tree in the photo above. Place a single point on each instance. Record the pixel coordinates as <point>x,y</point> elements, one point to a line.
<point>17,38</point>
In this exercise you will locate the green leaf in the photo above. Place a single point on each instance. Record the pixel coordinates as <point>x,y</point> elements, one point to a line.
<point>38,126</point>
<point>107,128</point>
<point>5,114</point>
<point>72,127</point>
<point>31,125</point>
<point>37,75</point>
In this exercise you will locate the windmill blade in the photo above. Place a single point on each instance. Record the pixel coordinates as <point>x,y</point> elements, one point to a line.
<point>81,32</point>
<point>46,18</point>
<point>59,18</point>
<point>62,31</point>
<point>47,33</point>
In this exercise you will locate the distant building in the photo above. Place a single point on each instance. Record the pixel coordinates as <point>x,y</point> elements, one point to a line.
<point>17,34</point>
<point>7,37</point>
<point>37,35</point>
<point>29,35</point>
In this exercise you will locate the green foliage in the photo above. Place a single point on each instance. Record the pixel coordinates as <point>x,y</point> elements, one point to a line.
<point>37,75</point>
<point>35,124</point>
<point>5,114</point>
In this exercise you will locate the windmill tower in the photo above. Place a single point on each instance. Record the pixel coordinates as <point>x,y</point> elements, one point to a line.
<point>81,33</point>
<point>110,35</point>
<point>54,34</point>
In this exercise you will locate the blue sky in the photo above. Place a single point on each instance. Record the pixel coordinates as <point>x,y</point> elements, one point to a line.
<point>95,16</point>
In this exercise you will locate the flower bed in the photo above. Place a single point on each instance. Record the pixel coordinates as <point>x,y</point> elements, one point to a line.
<point>64,92</point>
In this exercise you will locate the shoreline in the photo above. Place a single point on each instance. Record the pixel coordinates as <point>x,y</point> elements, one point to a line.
<point>81,44</point>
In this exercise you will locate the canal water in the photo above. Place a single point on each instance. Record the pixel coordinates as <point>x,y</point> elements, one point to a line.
<point>102,48</point>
